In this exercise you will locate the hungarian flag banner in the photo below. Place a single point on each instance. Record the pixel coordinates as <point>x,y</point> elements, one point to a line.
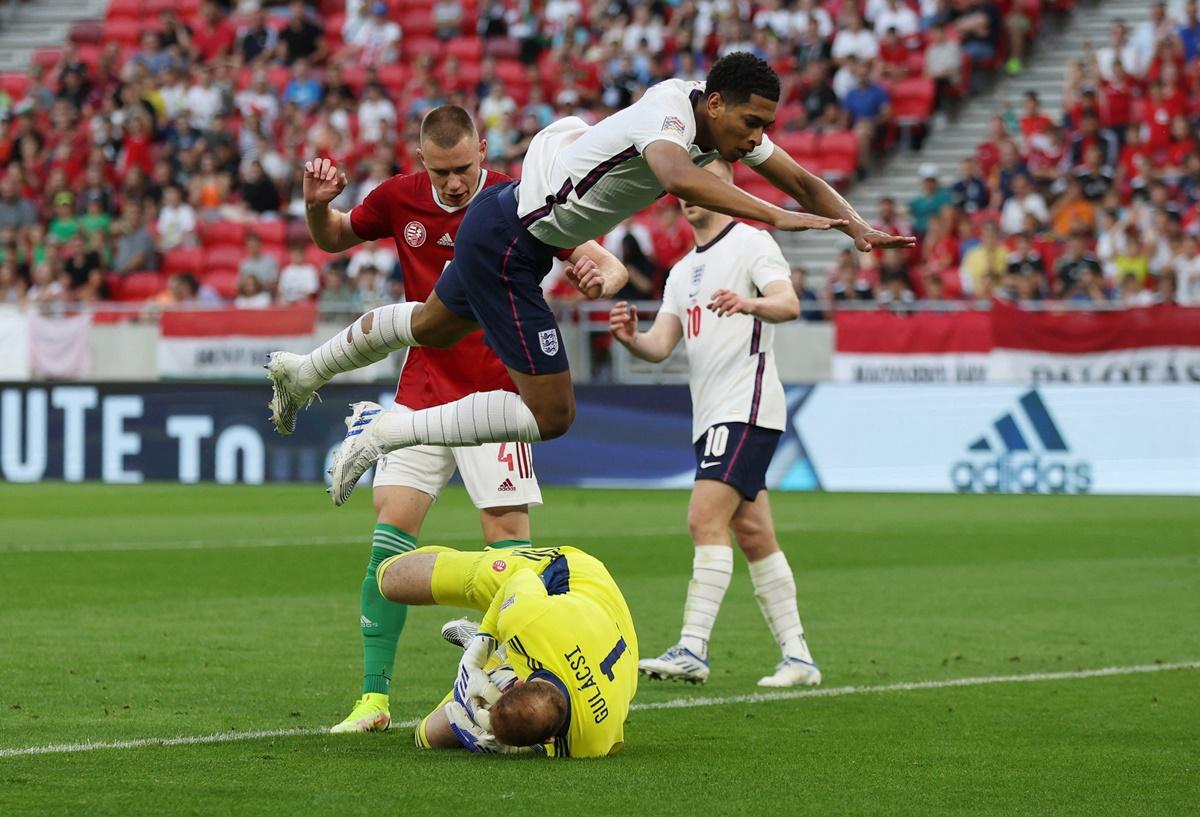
<point>231,343</point>
<point>1154,344</point>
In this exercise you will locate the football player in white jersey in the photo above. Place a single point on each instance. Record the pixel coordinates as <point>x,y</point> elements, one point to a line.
<point>577,183</point>
<point>722,300</point>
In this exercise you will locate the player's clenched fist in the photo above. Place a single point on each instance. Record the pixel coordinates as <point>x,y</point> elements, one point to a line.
<point>323,182</point>
<point>623,322</point>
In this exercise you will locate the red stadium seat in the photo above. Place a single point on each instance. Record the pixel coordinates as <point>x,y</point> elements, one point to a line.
<point>224,281</point>
<point>223,257</point>
<point>127,9</point>
<point>278,77</point>
<point>393,76</point>
<point>912,100</point>
<point>414,47</point>
<point>797,144</point>
<point>221,233</point>
<point>15,85</point>
<point>123,30</point>
<point>417,24</point>
<point>272,233</point>
<point>317,257</point>
<point>86,31</point>
<point>838,154</point>
<point>467,49</point>
<point>46,58</point>
<point>140,286</point>
<point>502,48</point>
<point>183,259</point>
<point>512,72</point>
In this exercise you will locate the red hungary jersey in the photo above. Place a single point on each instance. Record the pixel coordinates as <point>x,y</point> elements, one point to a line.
<point>406,209</point>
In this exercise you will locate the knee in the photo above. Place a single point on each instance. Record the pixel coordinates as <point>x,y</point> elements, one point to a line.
<point>554,420</point>
<point>704,530</point>
<point>753,539</point>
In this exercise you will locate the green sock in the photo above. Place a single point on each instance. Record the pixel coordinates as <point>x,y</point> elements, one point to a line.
<point>381,620</point>
<point>511,543</point>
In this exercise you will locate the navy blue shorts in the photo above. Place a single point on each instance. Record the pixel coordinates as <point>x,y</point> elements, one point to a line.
<point>737,454</point>
<point>495,279</point>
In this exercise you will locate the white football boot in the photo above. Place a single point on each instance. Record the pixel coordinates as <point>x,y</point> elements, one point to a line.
<point>291,389</point>
<point>676,664</point>
<point>792,672</point>
<point>358,452</point>
<point>460,632</point>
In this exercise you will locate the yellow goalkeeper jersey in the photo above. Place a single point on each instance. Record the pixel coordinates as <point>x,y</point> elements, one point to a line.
<point>565,621</point>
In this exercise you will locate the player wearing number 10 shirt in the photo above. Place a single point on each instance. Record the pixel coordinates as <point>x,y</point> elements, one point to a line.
<point>722,299</point>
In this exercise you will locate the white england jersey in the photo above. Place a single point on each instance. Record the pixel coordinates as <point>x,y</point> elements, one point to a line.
<point>731,360</point>
<point>580,181</point>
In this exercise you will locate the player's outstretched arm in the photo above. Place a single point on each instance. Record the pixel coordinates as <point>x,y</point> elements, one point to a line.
<point>655,345</point>
<point>682,178</point>
<point>595,271</point>
<point>778,303</point>
<point>815,195</point>
<point>330,228</point>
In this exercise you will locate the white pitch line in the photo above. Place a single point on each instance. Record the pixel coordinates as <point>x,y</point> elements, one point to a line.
<point>674,703</point>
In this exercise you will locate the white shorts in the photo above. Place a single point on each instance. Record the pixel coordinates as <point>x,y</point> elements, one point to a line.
<point>496,475</point>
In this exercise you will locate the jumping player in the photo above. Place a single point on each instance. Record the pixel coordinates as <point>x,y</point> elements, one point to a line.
<point>422,212</point>
<point>577,183</point>
<point>722,299</point>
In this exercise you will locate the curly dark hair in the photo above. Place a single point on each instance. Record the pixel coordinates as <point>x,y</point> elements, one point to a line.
<point>738,75</point>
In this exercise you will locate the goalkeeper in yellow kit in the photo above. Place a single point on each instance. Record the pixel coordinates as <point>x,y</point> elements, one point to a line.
<point>555,616</point>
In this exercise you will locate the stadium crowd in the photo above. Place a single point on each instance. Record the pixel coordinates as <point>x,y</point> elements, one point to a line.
<point>157,156</point>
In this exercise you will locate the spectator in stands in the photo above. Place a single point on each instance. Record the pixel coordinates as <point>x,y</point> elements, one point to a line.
<point>376,114</point>
<point>1023,201</point>
<point>95,218</point>
<point>1072,211</point>
<point>1155,31</point>
<point>303,89</point>
<point>65,225</point>
<point>988,257</point>
<point>969,192</point>
<point>302,38</point>
<point>978,23</point>
<point>12,285</point>
<point>152,56</point>
<point>896,15</point>
<point>183,290</point>
<point>203,101</point>
<point>1094,177</point>
<point>258,42</point>
<point>258,265</point>
<point>889,219</point>
<point>1119,48</point>
<point>83,268</point>
<point>853,39</point>
<point>1186,265</point>
<point>1092,134</point>
<point>260,100</point>
<point>447,18</point>
<point>810,304</point>
<point>46,287</point>
<point>258,192</point>
<point>176,220</point>
<point>15,210</point>
<point>1024,259</point>
<point>943,65</point>
<point>337,295</point>
<point>377,40</point>
<point>214,35</point>
<point>299,280</point>
<point>1071,266</point>
<point>135,245</point>
<point>1189,31</point>
<point>251,294</point>
<point>932,199</point>
<point>869,106</point>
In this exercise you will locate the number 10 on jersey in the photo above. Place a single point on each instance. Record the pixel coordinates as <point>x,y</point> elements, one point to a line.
<point>693,321</point>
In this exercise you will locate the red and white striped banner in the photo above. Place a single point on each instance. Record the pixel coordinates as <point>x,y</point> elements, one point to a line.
<point>231,342</point>
<point>1156,344</point>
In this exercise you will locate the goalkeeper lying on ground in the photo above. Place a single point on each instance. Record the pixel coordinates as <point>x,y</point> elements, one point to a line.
<point>567,634</point>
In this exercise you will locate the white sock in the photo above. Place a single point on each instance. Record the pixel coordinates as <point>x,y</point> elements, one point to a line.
<point>775,589</point>
<point>712,568</point>
<point>368,340</point>
<point>481,417</point>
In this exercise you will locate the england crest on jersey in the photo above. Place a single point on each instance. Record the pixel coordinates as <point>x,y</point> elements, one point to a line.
<point>697,277</point>
<point>548,339</point>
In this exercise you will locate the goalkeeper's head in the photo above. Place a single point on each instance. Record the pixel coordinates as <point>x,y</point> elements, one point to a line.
<point>529,714</point>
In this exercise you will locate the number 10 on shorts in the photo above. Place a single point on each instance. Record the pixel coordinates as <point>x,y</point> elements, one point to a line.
<point>715,441</point>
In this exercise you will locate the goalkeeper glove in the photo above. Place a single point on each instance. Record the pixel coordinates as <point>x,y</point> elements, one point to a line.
<point>475,738</point>
<point>473,689</point>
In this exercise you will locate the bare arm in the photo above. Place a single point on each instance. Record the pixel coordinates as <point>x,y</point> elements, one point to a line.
<point>682,178</point>
<point>655,345</point>
<point>330,228</point>
<point>595,271</point>
<point>816,196</point>
<point>778,303</point>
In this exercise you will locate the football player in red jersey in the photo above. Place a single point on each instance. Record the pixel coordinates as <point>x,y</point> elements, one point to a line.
<point>422,212</point>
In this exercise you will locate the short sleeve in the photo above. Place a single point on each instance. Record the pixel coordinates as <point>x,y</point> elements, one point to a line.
<point>519,601</point>
<point>369,220</point>
<point>662,114</point>
<point>670,301</point>
<point>767,263</point>
<point>760,154</point>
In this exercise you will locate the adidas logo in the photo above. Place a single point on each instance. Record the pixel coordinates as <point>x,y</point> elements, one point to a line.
<point>1023,452</point>
<point>445,240</point>
<point>366,622</point>
<point>507,485</point>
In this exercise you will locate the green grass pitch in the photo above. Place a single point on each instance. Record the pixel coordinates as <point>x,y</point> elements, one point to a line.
<point>153,612</point>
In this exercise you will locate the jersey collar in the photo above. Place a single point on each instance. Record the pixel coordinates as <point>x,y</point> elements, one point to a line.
<point>717,237</point>
<point>438,201</point>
